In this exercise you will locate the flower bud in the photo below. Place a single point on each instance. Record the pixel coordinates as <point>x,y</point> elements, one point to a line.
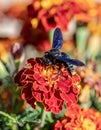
<point>17,50</point>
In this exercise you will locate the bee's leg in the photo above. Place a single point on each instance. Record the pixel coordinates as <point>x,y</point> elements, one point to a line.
<point>44,61</point>
<point>70,68</point>
<point>60,65</point>
<point>53,63</point>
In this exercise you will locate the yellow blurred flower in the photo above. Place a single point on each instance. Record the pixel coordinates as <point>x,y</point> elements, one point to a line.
<point>88,125</point>
<point>85,94</point>
<point>78,118</point>
<point>48,4</point>
<point>89,7</point>
<point>95,27</point>
<point>90,79</point>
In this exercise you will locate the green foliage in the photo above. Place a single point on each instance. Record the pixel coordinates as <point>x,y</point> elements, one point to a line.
<point>95,101</point>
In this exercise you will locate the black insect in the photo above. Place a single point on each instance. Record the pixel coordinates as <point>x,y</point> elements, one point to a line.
<point>54,55</point>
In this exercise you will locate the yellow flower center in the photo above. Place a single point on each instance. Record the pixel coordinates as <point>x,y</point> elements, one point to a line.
<point>88,125</point>
<point>48,3</point>
<point>52,73</point>
<point>37,5</point>
<point>34,22</point>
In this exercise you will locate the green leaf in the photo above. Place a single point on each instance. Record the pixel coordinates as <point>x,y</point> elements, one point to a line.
<point>5,65</point>
<point>30,116</point>
<point>3,71</point>
<point>82,34</point>
<point>8,122</point>
<point>95,100</point>
<point>8,81</point>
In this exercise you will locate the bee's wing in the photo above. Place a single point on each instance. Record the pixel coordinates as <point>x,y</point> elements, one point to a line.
<point>71,61</point>
<point>76,62</point>
<point>57,39</point>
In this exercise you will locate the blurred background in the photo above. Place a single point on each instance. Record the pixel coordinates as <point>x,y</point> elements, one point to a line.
<point>26,30</point>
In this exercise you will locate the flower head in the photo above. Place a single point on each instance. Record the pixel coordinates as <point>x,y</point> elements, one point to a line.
<point>47,84</point>
<point>91,80</point>
<point>79,118</point>
<point>46,14</point>
<point>36,37</point>
<point>88,10</point>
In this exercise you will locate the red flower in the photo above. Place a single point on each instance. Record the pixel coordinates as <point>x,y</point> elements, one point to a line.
<point>46,84</point>
<point>47,15</point>
<point>79,118</point>
<point>38,38</point>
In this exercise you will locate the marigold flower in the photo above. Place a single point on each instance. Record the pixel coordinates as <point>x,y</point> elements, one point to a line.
<point>79,118</point>
<point>17,10</point>
<point>47,14</point>
<point>47,84</point>
<point>90,78</point>
<point>88,10</point>
<point>38,38</point>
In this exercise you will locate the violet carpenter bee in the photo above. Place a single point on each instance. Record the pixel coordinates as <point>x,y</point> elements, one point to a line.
<point>54,55</point>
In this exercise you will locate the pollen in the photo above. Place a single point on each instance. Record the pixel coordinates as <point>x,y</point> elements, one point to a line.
<point>93,12</point>
<point>34,22</point>
<point>37,5</point>
<point>88,124</point>
<point>79,87</point>
<point>46,4</point>
<point>58,3</point>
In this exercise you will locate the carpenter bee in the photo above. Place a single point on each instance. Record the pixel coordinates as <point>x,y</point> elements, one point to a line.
<point>54,55</point>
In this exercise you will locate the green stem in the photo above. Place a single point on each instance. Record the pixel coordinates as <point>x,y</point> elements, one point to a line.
<point>43,118</point>
<point>49,116</point>
<point>11,118</point>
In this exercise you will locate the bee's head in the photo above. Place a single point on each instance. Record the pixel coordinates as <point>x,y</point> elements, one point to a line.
<point>54,52</point>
